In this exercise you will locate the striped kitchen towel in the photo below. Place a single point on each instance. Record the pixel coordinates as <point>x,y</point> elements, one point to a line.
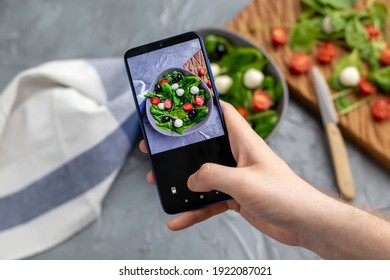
<point>66,128</point>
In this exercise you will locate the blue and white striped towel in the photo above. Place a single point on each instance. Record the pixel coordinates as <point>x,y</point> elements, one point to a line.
<point>66,128</point>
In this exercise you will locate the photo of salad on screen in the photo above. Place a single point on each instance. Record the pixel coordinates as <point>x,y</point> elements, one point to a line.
<point>178,102</point>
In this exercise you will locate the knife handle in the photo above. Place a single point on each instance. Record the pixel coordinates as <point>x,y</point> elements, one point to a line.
<point>340,161</point>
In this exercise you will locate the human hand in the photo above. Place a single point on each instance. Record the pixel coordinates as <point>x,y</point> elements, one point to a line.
<point>264,189</point>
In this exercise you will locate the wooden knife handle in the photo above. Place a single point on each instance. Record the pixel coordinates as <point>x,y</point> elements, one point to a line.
<point>340,161</point>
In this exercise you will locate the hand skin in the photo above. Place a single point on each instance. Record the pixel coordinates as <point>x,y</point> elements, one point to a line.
<point>277,202</point>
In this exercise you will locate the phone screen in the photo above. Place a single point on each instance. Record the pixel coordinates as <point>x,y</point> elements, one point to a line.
<point>180,116</point>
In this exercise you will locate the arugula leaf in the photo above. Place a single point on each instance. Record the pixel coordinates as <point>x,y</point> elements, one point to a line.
<point>381,78</point>
<point>155,111</point>
<point>303,36</point>
<point>241,59</point>
<point>379,13</point>
<point>338,23</point>
<point>265,122</point>
<point>355,33</point>
<point>202,113</point>
<point>166,88</point>
<point>178,114</point>
<point>338,4</point>
<point>343,103</point>
<point>211,42</point>
<point>165,126</point>
<point>150,95</point>
<point>370,52</point>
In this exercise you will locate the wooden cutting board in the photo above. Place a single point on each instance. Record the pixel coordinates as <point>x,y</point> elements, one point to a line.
<point>255,22</point>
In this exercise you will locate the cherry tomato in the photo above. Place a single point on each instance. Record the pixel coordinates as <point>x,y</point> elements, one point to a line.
<point>243,111</point>
<point>199,101</point>
<point>168,104</point>
<point>209,84</point>
<point>164,81</point>
<point>202,72</point>
<point>385,55</point>
<point>380,108</point>
<point>261,100</point>
<point>373,32</point>
<point>155,100</point>
<point>326,53</point>
<point>187,107</point>
<point>279,35</point>
<point>366,87</point>
<point>300,63</point>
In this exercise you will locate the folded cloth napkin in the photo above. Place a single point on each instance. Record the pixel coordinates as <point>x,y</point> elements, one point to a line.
<point>66,128</point>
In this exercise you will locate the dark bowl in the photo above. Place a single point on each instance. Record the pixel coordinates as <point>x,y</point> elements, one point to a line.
<point>271,68</point>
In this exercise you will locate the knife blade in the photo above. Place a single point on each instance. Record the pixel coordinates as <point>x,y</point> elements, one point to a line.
<point>337,147</point>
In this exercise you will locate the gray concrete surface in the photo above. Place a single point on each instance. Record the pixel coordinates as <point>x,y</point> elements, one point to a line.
<point>132,225</point>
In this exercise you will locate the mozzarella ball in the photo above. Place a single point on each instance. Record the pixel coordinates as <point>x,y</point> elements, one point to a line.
<point>350,76</point>
<point>178,123</point>
<point>215,69</point>
<point>194,90</point>
<point>223,83</point>
<point>161,106</point>
<point>174,86</point>
<point>180,92</point>
<point>253,78</point>
<point>327,25</point>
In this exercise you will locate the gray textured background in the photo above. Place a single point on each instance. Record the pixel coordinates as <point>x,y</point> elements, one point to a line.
<point>132,225</point>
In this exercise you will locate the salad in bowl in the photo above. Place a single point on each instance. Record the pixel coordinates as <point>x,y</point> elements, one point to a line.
<point>178,102</point>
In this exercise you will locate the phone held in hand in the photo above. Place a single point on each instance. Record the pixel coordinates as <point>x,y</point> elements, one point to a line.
<point>180,116</point>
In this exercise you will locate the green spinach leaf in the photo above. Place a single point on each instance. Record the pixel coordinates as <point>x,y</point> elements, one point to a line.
<point>303,36</point>
<point>381,78</point>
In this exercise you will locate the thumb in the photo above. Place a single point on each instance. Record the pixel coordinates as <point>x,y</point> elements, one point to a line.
<point>213,176</point>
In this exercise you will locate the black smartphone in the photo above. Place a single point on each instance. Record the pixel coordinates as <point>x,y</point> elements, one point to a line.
<point>180,115</point>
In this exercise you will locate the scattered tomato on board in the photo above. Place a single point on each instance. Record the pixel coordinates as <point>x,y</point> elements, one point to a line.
<point>279,35</point>
<point>326,53</point>
<point>202,72</point>
<point>300,63</point>
<point>380,108</point>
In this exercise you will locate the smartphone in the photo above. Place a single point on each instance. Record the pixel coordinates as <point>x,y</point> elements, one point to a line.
<point>180,115</point>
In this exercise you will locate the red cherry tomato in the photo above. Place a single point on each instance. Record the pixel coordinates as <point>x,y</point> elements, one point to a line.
<point>366,87</point>
<point>164,81</point>
<point>385,56</point>
<point>300,63</point>
<point>261,100</point>
<point>199,101</point>
<point>155,100</point>
<point>202,72</point>
<point>168,104</point>
<point>373,32</point>
<point>326,53</point>
<point>279,35</point>
<point>380,108</point>
<point>209,84</point>
<point>187,107</point>
<point>243,111</point>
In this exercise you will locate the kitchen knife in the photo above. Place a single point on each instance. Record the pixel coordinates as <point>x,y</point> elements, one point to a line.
<point>336,143</point>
